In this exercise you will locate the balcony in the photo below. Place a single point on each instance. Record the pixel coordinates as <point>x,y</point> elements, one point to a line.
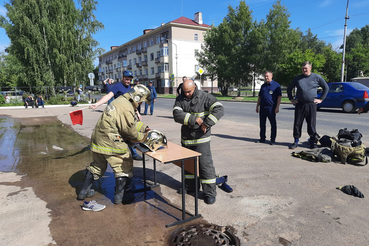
<point>144,50</point>
<point>157,75</point>
<point>138,52</point>
<point>129,67</point>
<point>118,69</point>
<point>108,62</point>
<point>144,77</point>
<point>164,59</point>
<point>144,63</point>
<point>161,45</point>
<point>138,64</point>
<point>157,60</point>
<point>122,57</point>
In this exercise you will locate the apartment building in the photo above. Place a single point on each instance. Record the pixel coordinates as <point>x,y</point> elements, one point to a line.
<point>164,55</point>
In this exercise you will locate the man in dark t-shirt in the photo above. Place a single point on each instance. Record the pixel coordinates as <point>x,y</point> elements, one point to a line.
<point>305,102</point>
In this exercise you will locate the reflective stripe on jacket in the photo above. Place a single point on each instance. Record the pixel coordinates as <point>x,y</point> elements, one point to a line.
<point>186,110</point>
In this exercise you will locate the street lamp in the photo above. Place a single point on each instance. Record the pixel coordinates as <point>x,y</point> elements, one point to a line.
<point>176,62</point>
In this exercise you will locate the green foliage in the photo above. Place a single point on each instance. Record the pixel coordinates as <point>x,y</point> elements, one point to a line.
<point>51,41</point>
<point>2,99</point>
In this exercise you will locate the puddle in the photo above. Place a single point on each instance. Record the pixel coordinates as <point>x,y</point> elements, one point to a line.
<point>52,158</point>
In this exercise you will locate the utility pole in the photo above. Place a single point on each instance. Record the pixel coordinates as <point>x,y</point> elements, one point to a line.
<point>344,43</point>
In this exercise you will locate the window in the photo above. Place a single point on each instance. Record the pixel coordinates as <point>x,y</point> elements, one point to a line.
<point>158,39</point>
<point>152,70</point>
<point>196,38</point>
<point>157,54</point>
<point>139,47</point>
<point>140,72</point>
<point>145,44</point>
<point>146,71</point>
<point>124,63</point>
<point>164,51</point>
<point>159,69</point>
<point>135,73</point>
<point>134,61</point>
<point>129,51</point>
<point>151,56</point>
<point>130,62</point>
<point>165,67</point>
<point>196,68</point>
<point>336,88</point>
<point>118,64</point>
<point>196,52</point>
<point>151,42</point>
<point>134,48</point>
<point>139,59</point>
<point>145,58</point>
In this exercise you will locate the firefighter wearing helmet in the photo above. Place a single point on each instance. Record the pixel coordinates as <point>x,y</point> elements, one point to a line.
<point>116,126</point>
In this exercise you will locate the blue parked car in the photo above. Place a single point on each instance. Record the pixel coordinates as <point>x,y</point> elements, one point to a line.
<point>346,95</point>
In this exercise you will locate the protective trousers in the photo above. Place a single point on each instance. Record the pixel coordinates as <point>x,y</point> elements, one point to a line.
<point>122,165</point>
<point>207,171</point>
<point>269,113</point>
<point>305,111</point>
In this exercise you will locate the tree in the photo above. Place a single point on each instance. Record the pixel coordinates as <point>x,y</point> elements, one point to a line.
<point>52,39</point>
<point>311,41</point>
<point>281,40</point>
<point>292,67</point>
<point>332,67</point>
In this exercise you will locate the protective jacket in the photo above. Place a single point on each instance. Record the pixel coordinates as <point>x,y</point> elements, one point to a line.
<point>187,110</point>
<point>117,125</point>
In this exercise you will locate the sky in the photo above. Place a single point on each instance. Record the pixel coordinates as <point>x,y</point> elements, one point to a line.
<point>125,21</point>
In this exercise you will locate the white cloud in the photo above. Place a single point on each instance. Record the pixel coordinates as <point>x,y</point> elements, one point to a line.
<point>2,11</point>
<point>325,3</point>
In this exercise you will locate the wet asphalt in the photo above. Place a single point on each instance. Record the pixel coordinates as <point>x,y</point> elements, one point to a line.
<point>277,199</point>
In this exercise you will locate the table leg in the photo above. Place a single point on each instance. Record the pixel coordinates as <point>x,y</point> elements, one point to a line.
<point>144,174</point>
<point>155,172</point>
<point>196,188</point>
<point>183,191</point>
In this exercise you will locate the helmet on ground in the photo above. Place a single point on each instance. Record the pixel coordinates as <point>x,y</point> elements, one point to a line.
<point>140,93</point>
<point>127,74</point>
<point>153,141</point>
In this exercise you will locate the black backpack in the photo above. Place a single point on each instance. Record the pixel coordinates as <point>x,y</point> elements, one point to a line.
<point>352,138</point>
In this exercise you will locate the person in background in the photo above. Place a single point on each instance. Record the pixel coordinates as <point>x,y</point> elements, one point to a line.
<point>40,102</point>
<point>179,88</point>
<point>306,101</point>
<point>29,102</point>
<point>270,95</point>
<point>153,98</point>
<point>79,92</point>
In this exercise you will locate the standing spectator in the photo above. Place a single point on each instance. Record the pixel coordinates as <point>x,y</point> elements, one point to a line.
<point>118,90</point>
<point>79,92</point>
<point>198,111</point>
<point>153,98</point>
<point>109,85</point>
<point>305,102</point>
<point>270,95</point>
<point>137,81</point>
<point>179,88</point>
<point>40,102</point>
<point>29,102</point>
<point>7,98</point>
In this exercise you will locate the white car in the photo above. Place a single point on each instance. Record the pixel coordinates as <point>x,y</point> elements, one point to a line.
<point>232,88</point>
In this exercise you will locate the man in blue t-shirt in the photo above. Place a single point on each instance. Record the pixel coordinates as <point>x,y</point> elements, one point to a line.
<point>118,90</point>
<point>270,95</point>
<point>109,85</point>
<point>153,98</point>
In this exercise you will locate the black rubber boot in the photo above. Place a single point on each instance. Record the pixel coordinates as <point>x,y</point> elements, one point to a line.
<point>89,179</point>
<point>120,185</point>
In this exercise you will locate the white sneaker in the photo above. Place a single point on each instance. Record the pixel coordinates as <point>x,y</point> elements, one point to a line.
<point>92,205</point>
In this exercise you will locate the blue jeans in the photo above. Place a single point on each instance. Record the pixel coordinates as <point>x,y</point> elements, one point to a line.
<point>151,107</point>
<point>133,151</point>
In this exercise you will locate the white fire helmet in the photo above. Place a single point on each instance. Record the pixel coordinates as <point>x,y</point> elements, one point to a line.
<point>153,141</point>
<point>140,93</point>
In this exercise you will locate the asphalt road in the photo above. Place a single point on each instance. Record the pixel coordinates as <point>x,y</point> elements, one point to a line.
<point>329,121</point>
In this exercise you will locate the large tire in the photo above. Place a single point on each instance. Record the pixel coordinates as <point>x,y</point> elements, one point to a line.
<point>348,106</point>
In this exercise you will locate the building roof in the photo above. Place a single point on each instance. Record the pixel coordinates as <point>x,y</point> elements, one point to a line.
<point>187,21</point>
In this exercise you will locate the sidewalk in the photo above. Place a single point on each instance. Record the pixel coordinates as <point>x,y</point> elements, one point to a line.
<point>276,197</point>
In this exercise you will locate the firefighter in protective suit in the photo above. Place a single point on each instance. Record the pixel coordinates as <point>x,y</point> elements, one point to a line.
<point>116,125</point>
<point>198,111</point>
